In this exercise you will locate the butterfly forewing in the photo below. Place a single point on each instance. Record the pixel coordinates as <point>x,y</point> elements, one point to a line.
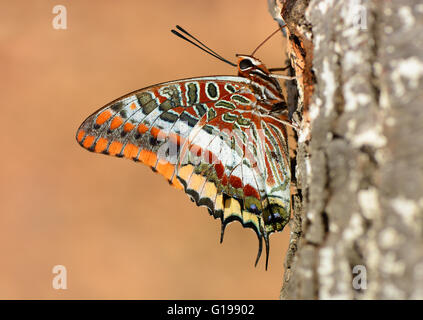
<point>206,136</point>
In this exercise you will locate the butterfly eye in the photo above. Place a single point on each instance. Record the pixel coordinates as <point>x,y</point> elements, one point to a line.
<point>245,64</point>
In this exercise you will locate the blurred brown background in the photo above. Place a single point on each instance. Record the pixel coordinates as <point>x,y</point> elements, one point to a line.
<point>119,229</point>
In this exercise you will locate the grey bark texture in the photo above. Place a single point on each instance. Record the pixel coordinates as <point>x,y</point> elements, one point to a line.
<point>357,229</point>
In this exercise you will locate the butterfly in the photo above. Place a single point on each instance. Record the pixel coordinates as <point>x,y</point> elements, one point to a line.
<point>221,139</point>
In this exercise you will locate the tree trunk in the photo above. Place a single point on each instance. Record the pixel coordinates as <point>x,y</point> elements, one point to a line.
<point>357,227</point>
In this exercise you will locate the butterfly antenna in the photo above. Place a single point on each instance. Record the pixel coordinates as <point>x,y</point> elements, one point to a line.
<point>200,45</point>
<point>190,35</point>
<point>265,40</point>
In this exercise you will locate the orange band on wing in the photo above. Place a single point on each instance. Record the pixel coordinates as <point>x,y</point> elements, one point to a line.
<point>103,117</point>
<point>155,132</point>
<point>80,136</point>
<point>142,128</point>
<point>116,122</point>
<point>165,168</point>
<point>101,145</point>
<point>88,142</point>
<point>148,157</point>
<point>128,127</point>
<point>115,148</point>
<point>130,151</point>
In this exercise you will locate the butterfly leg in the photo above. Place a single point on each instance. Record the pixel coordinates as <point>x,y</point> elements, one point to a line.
<point>281,76</point>
<point>279,69</point>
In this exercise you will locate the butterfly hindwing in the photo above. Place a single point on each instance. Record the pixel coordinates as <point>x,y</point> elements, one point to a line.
<point>204,135</point>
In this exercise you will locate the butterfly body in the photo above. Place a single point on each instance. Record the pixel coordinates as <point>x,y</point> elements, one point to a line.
<point>214,137</point>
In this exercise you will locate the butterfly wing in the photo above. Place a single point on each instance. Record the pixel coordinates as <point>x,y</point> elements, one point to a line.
<point>206,136</point>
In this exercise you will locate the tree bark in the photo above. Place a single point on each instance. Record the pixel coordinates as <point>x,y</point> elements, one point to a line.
<point>357,227</point>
